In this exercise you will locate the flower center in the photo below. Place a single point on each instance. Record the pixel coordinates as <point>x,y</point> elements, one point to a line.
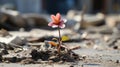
<point>57,21</point>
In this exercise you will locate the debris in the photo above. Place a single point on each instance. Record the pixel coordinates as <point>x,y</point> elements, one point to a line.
<point>91,65</point>
<point>117,61</point>
<point>1,58</point>
<point>28,61</point>
<point>85,20</point>
<point>93,46</point>
<point>13,20</point>
<point>4,33</point>
<point>54,56</point>
<point>115,47</point>
<point>43,55</point>
<point>4,52</point>
<point>112,20</point>
<point>12,40</point>
<point>17,50</point>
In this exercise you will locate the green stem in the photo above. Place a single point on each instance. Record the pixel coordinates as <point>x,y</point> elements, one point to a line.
<point>60,42</point>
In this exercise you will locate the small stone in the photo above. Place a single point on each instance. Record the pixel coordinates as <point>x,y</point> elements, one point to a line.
<point>12,39</point>
<point>52,57</point>
<point>115,47</point>
<point>84,57</point>
<point>13,59</point>
<point>4,33</point>
<point>1,58</point>
<point>43,55</point>
<point>55,59</point>
<point>117,61</point>
<point>16,50</point>
<point>4,52</point>
<point>34,54</point>
<point>71,66</point>
<point>28,61</point>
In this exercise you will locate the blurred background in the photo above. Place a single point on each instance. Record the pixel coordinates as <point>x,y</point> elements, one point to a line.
<point>62,6</point>
<point>28,14</point>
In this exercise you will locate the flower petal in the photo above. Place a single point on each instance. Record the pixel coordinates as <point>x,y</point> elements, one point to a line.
<point>53,18</point>
<point>50,24</point>
<point>58,16</point>
<point>62,26</point>
<point>54,26</point>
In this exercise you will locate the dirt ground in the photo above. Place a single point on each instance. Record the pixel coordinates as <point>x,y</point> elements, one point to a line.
<point>93,58</point>
<point>94,50</point>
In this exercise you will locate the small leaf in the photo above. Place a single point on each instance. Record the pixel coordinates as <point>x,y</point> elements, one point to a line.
<point>65,38</point>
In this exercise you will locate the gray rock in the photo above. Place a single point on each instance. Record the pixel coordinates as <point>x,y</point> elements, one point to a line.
<point>12,39</point>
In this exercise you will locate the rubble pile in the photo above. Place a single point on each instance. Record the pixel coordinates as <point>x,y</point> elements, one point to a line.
<point>14,49</point>
<point>88,40</point>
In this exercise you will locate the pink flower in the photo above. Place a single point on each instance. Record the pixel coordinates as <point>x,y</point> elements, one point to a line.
<point>57,21</point>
